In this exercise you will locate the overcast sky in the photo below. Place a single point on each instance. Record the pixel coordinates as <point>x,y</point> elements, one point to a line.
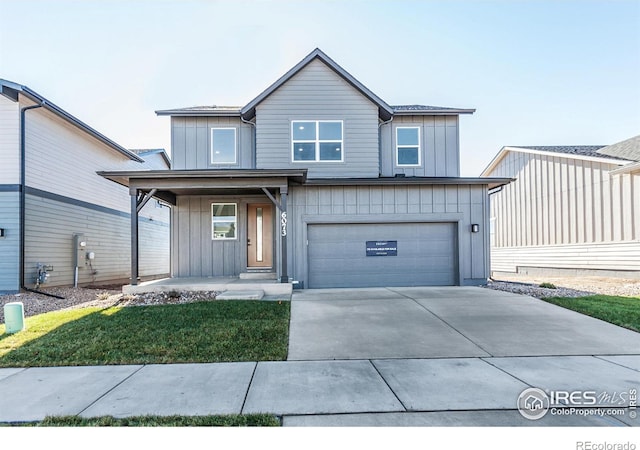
<point>538,73</point>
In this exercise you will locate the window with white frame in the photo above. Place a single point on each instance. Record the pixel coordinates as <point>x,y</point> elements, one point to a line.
<point>223,145</point>
<point>316,140</point>
<point>224,221</point>
<point>408,146</point>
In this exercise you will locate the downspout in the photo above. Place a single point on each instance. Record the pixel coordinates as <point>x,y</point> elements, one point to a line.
<point>380,143</point>
<point>23,194</point>
<point>255,140</point>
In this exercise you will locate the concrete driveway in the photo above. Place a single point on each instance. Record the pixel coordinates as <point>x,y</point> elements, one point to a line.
<point>443,322</point>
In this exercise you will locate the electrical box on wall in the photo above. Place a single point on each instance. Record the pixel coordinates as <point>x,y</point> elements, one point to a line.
<point>80,250</point>
<point>1,233</point>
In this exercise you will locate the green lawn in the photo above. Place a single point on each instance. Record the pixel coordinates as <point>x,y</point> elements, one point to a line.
<point>196,332</point>
<point>234,420</point>
<point>622,311</point>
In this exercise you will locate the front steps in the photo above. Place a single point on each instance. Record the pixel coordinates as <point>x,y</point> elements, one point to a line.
<point>259,275</point>
<point>240,295</point>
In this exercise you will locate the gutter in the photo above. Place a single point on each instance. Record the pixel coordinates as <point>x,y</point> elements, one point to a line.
<point>23,194</point>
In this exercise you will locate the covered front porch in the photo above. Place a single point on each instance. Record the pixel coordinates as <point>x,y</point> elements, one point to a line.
<point>229,227</point>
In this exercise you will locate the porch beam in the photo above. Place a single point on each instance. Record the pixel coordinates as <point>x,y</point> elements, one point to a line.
<point>205,183</point>
<point>134,238</point>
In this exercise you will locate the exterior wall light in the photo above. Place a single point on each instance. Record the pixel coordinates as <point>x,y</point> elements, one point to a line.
<point>475,228</point>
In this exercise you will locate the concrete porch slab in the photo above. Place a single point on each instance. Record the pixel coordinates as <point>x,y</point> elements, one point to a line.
<point>219,284</point>
<point>35,393</point>
<point>319,387</point>
<point>241,295</point>
<point>187,389</point>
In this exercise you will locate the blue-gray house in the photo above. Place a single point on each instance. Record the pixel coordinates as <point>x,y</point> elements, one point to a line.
<point>320,181</point>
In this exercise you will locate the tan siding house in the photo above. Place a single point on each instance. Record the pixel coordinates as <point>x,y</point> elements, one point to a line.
<point>62,196</point>
<point>572,209</point>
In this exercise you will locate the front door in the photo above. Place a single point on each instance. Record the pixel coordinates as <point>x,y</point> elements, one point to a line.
<point>260,235</point>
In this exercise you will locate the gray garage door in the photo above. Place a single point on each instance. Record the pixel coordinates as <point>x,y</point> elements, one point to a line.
<point>426,255</point>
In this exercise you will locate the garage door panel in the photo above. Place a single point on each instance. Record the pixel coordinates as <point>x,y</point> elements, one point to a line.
<point>426,255</point>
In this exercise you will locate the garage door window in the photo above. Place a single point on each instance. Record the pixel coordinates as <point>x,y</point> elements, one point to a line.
<point>316,140</point>
<point>408,146</point>
<point>224,218</point>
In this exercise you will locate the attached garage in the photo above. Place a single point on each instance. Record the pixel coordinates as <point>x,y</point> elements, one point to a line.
<point>411,254</point>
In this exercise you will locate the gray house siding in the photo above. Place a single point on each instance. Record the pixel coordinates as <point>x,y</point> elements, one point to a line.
<point>459,205</point>
<point>52,221</point>
<point>439,146</point>
<point>318,93</point>
<point>10,244</point>
<point>191,142</point>
<point>195,253</point>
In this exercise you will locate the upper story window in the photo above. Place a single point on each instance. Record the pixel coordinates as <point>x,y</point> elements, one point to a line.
<point>223,145</point>
<point>316,140</point>
<point>408,146</point>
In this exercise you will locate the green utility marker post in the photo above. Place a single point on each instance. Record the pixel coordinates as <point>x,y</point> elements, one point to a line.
<point>14,317</point>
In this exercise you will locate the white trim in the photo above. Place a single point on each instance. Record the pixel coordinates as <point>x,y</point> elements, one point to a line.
<point>235,238</point>
<point>235,146</point>
<point>318,141</point>
<point>494,162</point>
<point>628,168</point>
<point>397,146</point>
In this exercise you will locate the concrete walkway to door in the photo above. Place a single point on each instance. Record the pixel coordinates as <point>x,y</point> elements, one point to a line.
<point>443,322</point>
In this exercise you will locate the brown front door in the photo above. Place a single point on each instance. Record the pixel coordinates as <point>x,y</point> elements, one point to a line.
<point>260,235</point>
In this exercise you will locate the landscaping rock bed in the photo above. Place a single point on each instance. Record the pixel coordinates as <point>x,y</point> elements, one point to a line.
<point>535,290</point>
<point>35,303</point>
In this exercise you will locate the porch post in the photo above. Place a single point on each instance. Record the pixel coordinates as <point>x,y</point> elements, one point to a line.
<point>284,277</point>
<point>134,236</point>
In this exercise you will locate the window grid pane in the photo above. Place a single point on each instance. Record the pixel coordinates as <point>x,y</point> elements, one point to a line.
<point>323,144</point>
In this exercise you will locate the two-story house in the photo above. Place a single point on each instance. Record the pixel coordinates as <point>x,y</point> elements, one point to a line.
<point>320,181</point>
<point>60,222</point>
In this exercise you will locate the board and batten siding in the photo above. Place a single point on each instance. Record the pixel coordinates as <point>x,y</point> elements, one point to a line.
<point>464,204</point>
<point>10,244</point>
<point>9,141</point>
<point>565,213</point>
<point>317,93</point>
<point>191,143</point>
<point>50,227</point>
<point>439,146</point>
<point>195,253</point>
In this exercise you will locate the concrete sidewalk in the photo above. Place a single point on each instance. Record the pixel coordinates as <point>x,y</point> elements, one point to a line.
<point>369,392</point>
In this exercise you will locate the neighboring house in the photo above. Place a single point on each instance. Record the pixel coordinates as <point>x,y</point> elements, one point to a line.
<point>572,210</point>
<point>65,203</point>
<point>320,181</point>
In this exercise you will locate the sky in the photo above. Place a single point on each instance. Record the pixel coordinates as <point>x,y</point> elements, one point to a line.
<point>537,72</point>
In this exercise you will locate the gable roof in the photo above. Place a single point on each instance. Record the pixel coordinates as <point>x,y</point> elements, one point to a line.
<point>247,112</point>
<point>584,152</point>
<point>385,111</point>
<point>627,149</point>
<point>11,90</point>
